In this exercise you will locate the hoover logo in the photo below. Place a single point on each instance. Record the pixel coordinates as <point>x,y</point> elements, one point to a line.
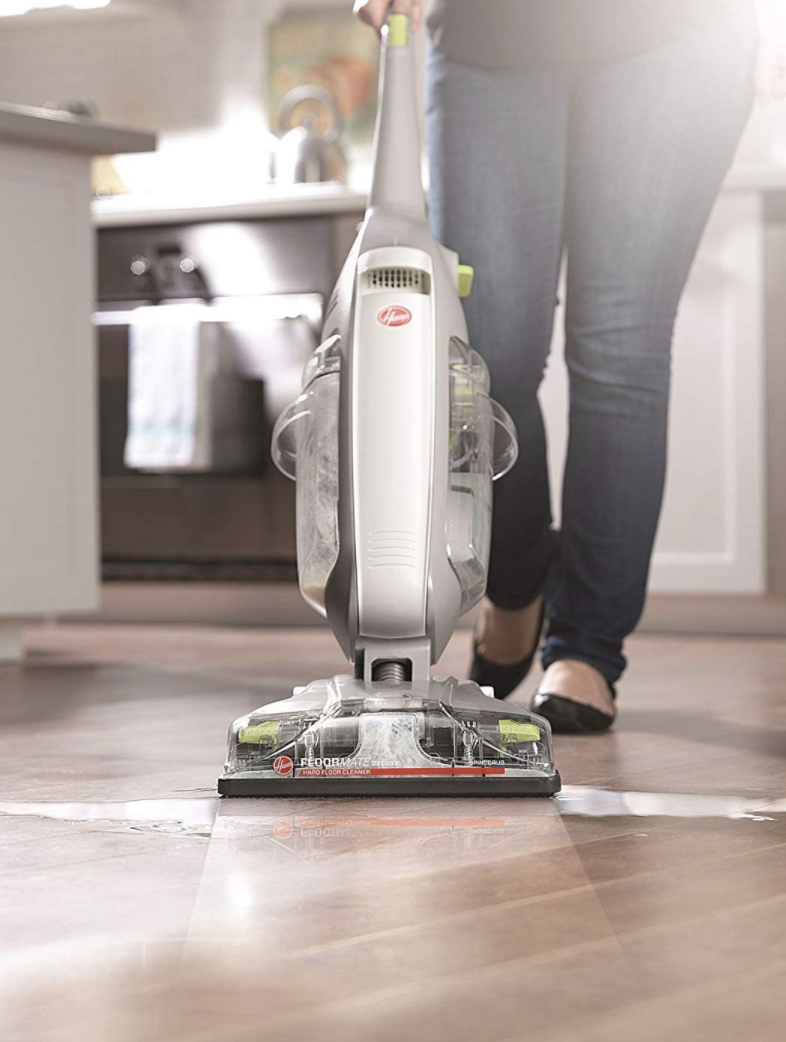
<point>283,829</point>
<point>283,765</point>
<point>394,315</point>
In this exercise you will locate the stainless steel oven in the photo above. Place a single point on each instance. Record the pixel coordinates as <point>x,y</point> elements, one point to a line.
<point>267,278</point>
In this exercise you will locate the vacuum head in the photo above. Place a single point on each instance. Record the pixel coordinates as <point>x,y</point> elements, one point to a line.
<point>343,737</point>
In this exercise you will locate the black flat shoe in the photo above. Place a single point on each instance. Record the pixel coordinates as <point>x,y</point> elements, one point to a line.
<point>569,717</point>
<point>504,679</point>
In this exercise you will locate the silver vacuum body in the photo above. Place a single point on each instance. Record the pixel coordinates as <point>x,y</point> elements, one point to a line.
<point>394,443</point>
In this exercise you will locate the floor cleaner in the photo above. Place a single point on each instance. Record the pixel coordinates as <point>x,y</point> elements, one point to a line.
<point>394,443</point>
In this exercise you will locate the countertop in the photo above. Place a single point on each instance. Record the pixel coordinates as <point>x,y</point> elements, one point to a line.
<point>306,200</point>
<point>64,132</point>
<point>272,201</point>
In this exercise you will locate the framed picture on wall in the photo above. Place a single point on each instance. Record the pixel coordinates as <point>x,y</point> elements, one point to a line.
<point>324,47</point>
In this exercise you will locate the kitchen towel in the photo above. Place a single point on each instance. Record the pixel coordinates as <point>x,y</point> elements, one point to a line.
<point>171,361</point>
<point>271,348</point>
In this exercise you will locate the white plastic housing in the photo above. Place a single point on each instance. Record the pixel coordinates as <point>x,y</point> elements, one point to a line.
<point>393,393</point>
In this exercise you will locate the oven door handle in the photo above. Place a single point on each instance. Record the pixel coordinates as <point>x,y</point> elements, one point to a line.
<point>308,306</point>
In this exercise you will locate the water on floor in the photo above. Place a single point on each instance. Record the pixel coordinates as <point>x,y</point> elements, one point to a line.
<point>196,815</point>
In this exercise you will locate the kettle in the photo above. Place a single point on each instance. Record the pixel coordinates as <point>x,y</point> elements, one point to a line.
<point>310,122</point>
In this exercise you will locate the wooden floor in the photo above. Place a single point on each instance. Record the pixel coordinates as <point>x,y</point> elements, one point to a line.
<point>648,903</point>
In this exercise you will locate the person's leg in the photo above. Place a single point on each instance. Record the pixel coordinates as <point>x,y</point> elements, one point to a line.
<point>497,150</point>
<point>650,141</point>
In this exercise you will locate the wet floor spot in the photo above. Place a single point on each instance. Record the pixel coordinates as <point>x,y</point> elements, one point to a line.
<point>608,803</point>
<point>195,816</point>
<point>178,816</point>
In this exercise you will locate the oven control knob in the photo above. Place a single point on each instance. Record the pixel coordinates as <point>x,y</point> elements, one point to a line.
<point>140,265</point>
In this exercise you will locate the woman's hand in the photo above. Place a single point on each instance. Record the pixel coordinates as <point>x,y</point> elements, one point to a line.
<point>771,64</point>
<point>375,12</point>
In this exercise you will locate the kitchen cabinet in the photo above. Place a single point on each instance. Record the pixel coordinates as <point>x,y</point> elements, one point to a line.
<point>48,480</point>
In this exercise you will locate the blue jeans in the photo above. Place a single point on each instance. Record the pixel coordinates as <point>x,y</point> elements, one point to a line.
<point>618,164</point>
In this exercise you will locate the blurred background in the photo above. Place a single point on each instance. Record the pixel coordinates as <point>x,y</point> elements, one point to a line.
<point>234,146</point>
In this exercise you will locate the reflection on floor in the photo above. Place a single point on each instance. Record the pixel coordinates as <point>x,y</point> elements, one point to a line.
<point>648,902</point>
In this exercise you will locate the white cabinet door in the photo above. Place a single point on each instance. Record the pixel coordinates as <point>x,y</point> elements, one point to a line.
<point>712,532</point>
<point>48,488</point>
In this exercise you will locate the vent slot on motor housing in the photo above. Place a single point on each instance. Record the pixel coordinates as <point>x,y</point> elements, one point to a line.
<point>404,280</point>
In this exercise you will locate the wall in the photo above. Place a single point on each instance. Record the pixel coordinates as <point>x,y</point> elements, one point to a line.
<point>193,69</point>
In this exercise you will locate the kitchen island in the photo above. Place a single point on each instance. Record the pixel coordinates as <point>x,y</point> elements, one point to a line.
<point>48,518</point>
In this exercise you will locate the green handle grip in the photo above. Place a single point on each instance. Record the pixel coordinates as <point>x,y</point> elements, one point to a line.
<point>398,30</point>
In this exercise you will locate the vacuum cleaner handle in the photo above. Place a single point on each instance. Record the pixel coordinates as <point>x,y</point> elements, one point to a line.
<point>397,181</point>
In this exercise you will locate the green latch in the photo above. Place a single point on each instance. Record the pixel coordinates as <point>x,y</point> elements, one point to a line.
<point>518,731</point>
<point>265,733</point>
<point>466,274</point>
